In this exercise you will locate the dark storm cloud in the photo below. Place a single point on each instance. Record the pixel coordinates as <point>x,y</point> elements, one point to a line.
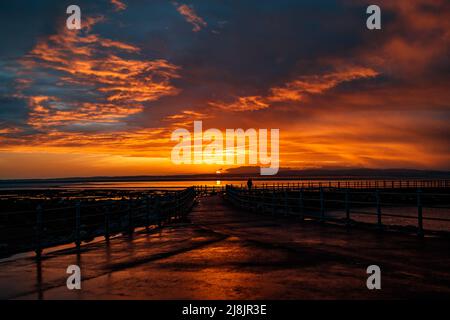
<point>247,46</point>
<point>13,111</point>
<point>261,43</point>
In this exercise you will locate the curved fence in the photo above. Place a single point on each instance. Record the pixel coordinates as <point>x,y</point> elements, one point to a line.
<point>56,220</point>
<point>417,210</point>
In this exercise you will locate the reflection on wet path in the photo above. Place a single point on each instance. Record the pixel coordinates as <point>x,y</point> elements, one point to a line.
<point>226,254</point>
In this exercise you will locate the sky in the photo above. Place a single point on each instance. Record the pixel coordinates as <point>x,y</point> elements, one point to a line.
<point>105,99</point>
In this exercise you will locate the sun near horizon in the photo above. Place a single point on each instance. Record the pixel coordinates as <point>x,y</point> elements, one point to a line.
<point>105,99</point>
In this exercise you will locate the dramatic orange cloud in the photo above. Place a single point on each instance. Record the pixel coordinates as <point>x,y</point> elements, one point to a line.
<point>87,59</point>
<point>297,89</point>
<point>317,84</point>
<point>104,100</point>
<point>118,5</point>
<point>250,103</point>
<point>185,119</point>
<point>191,16</point>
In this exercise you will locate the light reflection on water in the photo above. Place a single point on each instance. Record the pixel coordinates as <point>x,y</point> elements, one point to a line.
<point>174,184</point>
<point>135,184</point>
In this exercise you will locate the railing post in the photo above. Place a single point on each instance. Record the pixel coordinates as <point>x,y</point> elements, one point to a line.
<point>347,206</point>
<point>147,211</point>
<point>420,232</point>
<point>78,224</point>
<point>157,211</point>
<point>322,205</point>
<point>262,196</point>
<point>301,205</point>
<point>273,202</point>
<point>130,215</point>
<point>286,207</point>
<point>107,222</point>
<point>38,245</point>
<point>177,204</point>
<point>377,197</point>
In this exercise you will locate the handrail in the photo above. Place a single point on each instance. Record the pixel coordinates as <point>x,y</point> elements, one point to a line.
<point>80,220</point>
<point>325,203</point>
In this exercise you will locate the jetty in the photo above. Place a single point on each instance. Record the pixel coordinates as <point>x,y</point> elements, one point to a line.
<point>271,242</point>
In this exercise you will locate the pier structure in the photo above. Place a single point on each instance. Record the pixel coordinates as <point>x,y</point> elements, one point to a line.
<point>225,251</point>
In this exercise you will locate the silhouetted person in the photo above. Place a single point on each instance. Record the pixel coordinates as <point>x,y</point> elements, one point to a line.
<point>249,184</point>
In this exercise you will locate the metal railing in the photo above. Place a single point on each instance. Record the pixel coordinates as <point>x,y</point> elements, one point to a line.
<point>205,190</point>
<point>403,208</point>
<point>83,219</point>
<point>356,184</point>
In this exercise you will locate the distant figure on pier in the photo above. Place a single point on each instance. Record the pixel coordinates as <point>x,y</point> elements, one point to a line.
<point>249,184</point>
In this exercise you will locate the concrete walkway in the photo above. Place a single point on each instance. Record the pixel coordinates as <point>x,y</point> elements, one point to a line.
<point>227,254</point>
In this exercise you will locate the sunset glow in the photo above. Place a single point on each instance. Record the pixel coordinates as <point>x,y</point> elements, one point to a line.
<point>105,99</point>
<point>225,159</point>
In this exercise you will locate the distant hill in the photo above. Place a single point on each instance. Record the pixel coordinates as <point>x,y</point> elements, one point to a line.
<point>246,172</point>
<point>346,172</point>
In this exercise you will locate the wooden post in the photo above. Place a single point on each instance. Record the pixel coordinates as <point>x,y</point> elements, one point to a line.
<point>78,225</point>
<point>38,244</point>
<point>420,231</point>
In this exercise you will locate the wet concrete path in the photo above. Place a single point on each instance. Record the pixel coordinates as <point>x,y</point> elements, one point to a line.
<point>224,253</point>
